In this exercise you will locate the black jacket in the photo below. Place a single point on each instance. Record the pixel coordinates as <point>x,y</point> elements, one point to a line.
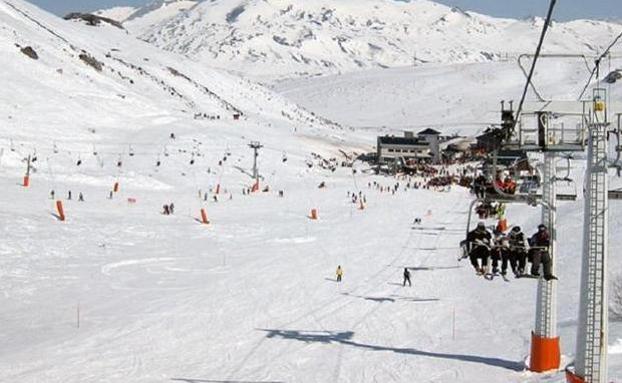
<point>478,236</point>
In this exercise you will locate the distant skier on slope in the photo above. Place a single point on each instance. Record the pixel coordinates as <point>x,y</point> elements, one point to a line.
<point>339,273</point>
<point>406,278</point>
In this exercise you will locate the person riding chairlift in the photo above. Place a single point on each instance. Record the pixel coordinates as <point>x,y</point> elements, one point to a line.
<point>479,246</point>
<point>539,253</point>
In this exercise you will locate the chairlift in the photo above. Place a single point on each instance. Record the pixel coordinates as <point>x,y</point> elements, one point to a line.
<point>119,162</point>
<point>131,151</point>
<point>567,195</point>
<point>192,159</point>
<point>518,190</point>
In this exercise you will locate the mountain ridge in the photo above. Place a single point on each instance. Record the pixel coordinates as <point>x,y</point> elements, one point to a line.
<point>274,39</point>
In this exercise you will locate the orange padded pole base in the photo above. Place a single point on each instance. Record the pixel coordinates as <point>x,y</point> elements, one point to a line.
<point>545,354</point>
<point>26,181</point>
<point>572,378</point>
<point>204,219</point>
<point>255,187</point>
<point>60,210</point>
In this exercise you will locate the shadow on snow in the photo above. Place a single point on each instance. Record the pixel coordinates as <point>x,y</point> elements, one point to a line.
<point>346,338</point>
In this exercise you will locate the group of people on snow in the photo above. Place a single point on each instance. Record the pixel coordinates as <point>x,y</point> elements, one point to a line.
<point>510,250</point>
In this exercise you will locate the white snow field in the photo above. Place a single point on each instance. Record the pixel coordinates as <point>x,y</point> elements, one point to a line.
<point>276,39</point>
<point>121,293</point>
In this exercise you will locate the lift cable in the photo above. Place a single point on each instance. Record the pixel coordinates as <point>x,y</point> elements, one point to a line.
<point>545,28</point>
<point>597,64</point>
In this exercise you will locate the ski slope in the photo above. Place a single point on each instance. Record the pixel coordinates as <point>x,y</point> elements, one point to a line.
<point>452,98</point>
<point>120,292</point>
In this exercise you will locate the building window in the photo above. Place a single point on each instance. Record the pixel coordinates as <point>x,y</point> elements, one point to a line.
<point>391,150</point>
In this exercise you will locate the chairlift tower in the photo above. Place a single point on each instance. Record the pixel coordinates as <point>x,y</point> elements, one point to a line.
<point>255,146</point>
<point>590,364</point>
<point>549,132</point>
<point>545,349</point>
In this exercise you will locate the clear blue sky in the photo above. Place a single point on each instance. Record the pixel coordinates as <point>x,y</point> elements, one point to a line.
<point>566,9</point>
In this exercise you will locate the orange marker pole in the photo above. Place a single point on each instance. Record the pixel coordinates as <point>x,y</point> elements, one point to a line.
<point>60,210</point>
<point>204,219</point>
<point>314,214</point>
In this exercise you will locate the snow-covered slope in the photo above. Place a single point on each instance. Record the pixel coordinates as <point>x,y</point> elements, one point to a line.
<point>285,38</point>
<point>130,86</point>
<point>121,293</point>
<point>460,98</point>
<point>116,13</point>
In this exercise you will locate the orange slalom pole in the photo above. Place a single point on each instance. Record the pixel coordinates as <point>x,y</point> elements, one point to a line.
<point>204,219</point>
<point>60,210</point>
<point>314,214</point>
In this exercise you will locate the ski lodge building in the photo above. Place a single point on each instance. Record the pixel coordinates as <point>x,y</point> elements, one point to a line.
<point>424,146</point>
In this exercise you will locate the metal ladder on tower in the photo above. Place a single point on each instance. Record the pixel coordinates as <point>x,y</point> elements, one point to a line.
<point>591,361</point>
<point>546,315</point>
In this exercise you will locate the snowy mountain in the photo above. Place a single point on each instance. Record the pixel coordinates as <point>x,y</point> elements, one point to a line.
<point>286,38</point>
<point>150,15</point>
<point>116,81</point>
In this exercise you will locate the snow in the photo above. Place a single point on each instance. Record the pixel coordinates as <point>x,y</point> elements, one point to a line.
<point>120,292</point>
<point>276,39</point>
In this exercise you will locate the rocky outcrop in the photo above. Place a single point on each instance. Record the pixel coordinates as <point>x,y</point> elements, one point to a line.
<point>30,52</point>
<point>92,19</point>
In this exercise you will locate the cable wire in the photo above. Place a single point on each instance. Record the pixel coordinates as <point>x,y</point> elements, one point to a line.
<point>597,64</point>
<point>545,28</point>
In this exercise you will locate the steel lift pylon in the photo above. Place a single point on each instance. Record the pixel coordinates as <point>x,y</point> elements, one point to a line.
<point>590,364</point>
<point>545,349</point>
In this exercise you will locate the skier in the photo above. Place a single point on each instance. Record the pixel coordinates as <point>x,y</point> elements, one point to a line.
<point>80,197</point>
<point>540,242</point>
<point>339,273</point>
<point>171,208</point>
<point>69,195</point>
<point>478,245</point>
<point>518,251</point>
<point>52,194</point>
<point>166,210</point>
<point>406,277</point>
